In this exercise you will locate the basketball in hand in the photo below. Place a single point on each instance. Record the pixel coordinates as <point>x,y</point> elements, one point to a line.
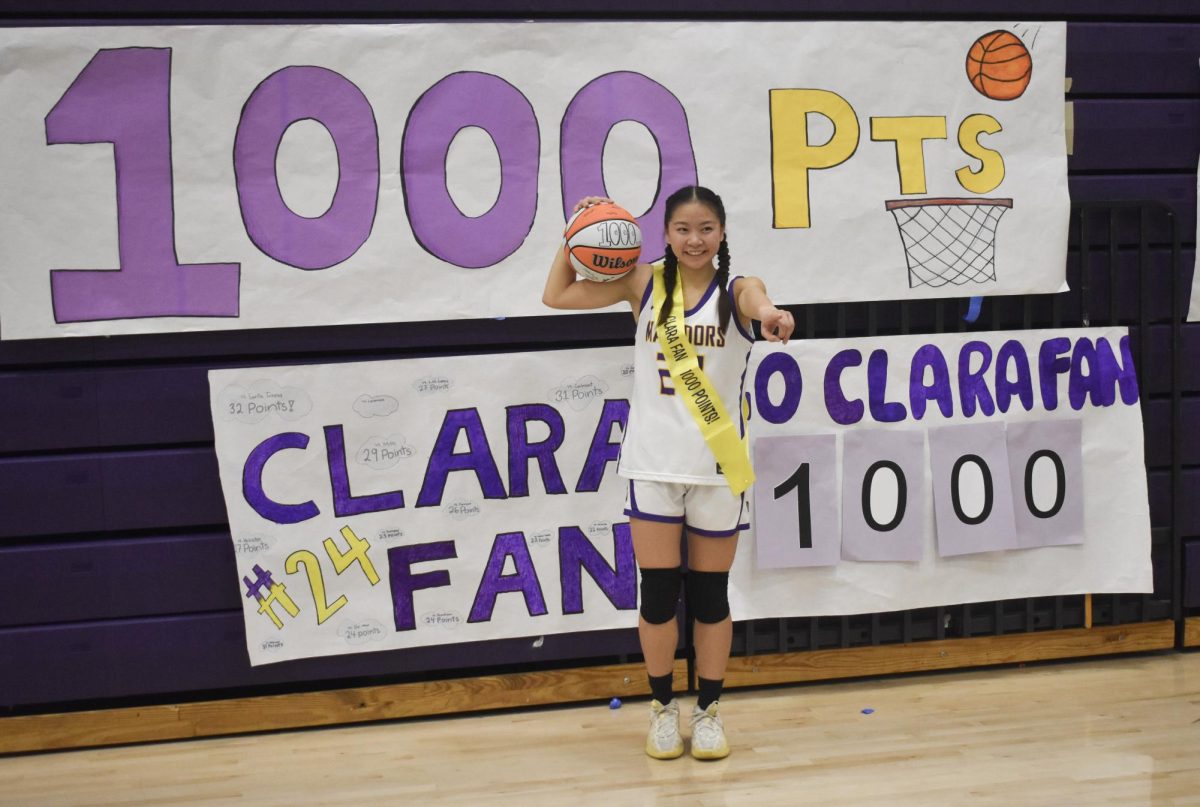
<point>603,242</point>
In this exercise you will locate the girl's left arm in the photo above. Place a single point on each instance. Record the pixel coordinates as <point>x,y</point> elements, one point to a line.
<point>753,303</point>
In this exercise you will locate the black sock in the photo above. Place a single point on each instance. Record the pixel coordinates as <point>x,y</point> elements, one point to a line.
<point>710,690</point>
<point>660,688</point>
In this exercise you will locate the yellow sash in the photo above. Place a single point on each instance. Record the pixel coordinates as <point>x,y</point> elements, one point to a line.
<point>719,429</point>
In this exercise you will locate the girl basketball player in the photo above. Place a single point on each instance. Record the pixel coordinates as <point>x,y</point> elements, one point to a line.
<point>674,481</point>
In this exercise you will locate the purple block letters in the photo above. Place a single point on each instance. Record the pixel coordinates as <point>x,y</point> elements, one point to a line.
<point>283,98</point>
<point>454,103</point>
<point>123,97</point>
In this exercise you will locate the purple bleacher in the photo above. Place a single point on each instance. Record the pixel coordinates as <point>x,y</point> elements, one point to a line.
<point>118,578</point>
<point>198,652</point>
<point>110,492</point>
<point>1178,191</point>
<point>1101,56</point>
<point>1191,567</point>
<point>1119,135</point>
<point>1158,430</point>
<point>1159,486</point>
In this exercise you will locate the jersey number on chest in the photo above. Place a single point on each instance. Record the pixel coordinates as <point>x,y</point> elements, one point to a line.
<point>665,387</point>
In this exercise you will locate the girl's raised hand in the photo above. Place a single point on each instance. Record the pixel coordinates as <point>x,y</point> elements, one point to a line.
<point>777,325</point>
<point>588,201</point>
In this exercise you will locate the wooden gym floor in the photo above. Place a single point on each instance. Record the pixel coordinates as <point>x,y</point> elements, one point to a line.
<point>1117,731</point>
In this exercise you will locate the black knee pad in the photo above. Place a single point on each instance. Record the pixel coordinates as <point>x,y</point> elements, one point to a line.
<point>660,594</point>
<point>708,596</point>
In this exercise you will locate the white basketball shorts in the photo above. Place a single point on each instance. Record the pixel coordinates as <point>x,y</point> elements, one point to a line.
<point>709,510</point>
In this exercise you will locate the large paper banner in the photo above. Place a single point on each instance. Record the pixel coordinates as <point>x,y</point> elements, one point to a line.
<point>397,504</point>
<point>338,174</point>
<point>967,468</point>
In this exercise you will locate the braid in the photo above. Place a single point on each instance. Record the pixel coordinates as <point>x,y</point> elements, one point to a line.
<point>724,308</point>
<point>670,273</point>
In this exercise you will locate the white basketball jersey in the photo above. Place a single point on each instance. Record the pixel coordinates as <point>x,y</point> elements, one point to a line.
<point>662,441</point>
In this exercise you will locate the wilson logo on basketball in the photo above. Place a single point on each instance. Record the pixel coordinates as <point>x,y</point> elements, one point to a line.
<point>612,262</point>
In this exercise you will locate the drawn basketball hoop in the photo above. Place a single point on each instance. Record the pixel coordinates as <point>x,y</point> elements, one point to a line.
<point>949,240</point>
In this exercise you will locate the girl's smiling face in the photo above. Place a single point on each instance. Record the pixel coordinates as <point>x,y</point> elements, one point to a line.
<point>694,234</point>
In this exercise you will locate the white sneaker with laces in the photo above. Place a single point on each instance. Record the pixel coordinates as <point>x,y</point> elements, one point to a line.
<point>663,740</point>
<point>708,733</point>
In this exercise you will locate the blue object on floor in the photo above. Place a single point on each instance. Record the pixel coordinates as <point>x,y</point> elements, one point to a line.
<point>868,711</point>
<point>615,703</point>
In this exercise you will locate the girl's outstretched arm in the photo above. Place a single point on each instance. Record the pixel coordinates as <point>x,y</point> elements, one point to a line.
<point>564,289</point>
<point>753,303</point>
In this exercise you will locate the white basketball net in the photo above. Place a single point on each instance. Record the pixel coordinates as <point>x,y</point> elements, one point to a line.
<point>950,242</point>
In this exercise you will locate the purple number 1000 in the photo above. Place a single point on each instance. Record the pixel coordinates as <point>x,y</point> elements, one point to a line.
<point>122,97</point>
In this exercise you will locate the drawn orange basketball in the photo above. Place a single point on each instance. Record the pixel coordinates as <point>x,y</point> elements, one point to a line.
<point>999,65</point>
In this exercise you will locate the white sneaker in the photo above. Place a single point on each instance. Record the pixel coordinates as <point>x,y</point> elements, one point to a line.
<point>708,734</point>
<point>663,740</point>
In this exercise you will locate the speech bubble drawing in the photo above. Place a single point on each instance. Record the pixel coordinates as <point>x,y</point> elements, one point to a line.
<point>362,631</point>
<point>375,406</point>
<point>262,399</point>
<point>443,620</point>
<point>578,393</point>
<point>540,538</point>
<point>433,384</point>
<point>461,509</point>
<point>381,452</point>
<point>389,534</point>
<point>252,544</point>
